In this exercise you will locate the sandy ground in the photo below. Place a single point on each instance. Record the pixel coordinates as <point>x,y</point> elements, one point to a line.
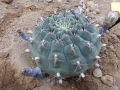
<point>23,14</point>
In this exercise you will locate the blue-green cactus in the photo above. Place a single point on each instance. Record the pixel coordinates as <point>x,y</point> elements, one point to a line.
<point>65,45</point>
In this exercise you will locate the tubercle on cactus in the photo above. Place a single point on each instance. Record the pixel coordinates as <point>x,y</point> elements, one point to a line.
<point>78,65</point>
<point>55,59</point>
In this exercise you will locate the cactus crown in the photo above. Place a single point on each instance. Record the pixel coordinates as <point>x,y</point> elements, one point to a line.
<point>66,44</point>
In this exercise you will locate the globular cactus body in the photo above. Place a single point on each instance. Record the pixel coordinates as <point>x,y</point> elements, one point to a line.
<point>66,43</point>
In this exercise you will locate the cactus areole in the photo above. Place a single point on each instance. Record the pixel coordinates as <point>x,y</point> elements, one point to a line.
<point>65,44</point>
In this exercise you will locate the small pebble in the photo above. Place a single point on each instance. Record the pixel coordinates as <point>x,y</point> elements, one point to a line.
<point>97,73</point>
<point>118,35</point>
<point>84,6</point>
<point>7,1</point>
<point>48,80</point>
<point>115,88</point>
<point>94,12</point>
<point>118,53</point>
<point>96,5</point>
<point>65,83</point>
<point>87,10</point>
<point>97,11</point>
<point>97,25</point>
<point>59,0</point>
<point>90,4</point>
<point>101,20</point>
<point>83,1</point>
<point>92,16</point>
<point>108,80</point>
<point>52,83</point>
<point>49,1</point>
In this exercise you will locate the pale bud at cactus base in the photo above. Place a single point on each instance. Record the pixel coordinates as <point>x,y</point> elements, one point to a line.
<point>111,18</point>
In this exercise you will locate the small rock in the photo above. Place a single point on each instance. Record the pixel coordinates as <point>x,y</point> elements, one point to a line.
<point>97,73</point>
<point>75,88</point>
<point>37,88</point>
<point>97,25</point>
<point>7,1</point>
<point>48,80</point>
<point>52,83</point>
<point>84,1</point>
<point>92,16</point>
<point>92,9</point>
<point>101,20</point>
<point>87,10</point>
<point>90,4</point>
<point>117,79</point>
<point>96,6</point>
<point>118,35</point>
<point>84,6</point>
<point>94,12</point>
<point>111,47</point>
<point>59,0</point>
<point>65,83</point>
<point>49,1</point>
<point>81,4</point>
<point>118,53</point>
<point>115,88</point>
<point>4,55</point>
<point>97,11</point>
<point>108,80</point>
<point>3,13</point>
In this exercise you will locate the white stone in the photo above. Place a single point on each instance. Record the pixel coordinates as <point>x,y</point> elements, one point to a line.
<point>97,25</point>
<point>59,0</point>
<point>83,1</point>
<point>117,79</point>
<point>84,6</point>
<point>49,1</point>
<point>97,73</point>
<point>97,11</point>
<point>115,88</point>
<point>108,80</point>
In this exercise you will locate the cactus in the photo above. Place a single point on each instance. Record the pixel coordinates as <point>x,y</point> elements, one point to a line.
<point>65,45</point>
<point>111,20</point>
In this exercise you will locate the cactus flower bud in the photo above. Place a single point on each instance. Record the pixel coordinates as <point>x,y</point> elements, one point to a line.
<point>111,18</point>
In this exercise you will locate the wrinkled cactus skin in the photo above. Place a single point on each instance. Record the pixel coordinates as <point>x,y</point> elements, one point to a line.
<point>62,41</point>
